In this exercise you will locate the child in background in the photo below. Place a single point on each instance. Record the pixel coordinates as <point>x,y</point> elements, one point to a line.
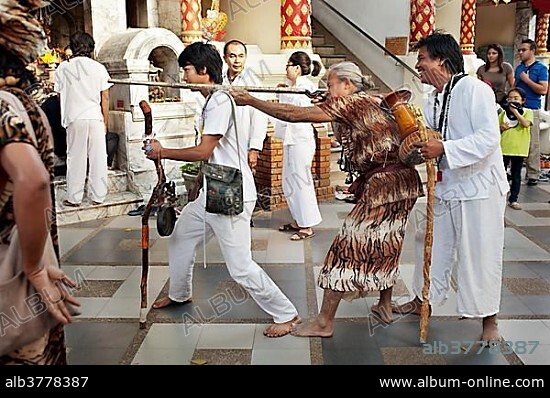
<point>515,126</point>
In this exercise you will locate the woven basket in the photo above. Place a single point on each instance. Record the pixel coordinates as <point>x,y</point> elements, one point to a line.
<point>408,153</point>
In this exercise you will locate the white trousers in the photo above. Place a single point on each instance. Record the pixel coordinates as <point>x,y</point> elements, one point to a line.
<point>195,226</point>
<point>86,143</point>
<point>469,234</point>
<point>533,160</point>
<point>298,185</point>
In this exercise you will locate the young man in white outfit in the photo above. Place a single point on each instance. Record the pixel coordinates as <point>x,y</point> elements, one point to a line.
<point>250,120</point>
<point>83,87</point>
<point>470,195</point>
<point>202,64</point>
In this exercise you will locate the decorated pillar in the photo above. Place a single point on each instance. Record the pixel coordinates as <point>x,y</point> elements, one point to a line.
<point>468,26</point>
<point>295,24</point>
<point>191,30</point>
<point>542,33</point>
<point>422,20</point>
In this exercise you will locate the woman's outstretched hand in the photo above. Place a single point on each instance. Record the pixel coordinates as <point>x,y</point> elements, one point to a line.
<point>241,97</point>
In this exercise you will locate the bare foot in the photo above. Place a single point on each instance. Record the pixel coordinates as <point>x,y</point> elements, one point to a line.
<point>167,301</point>
<point>382,312</point>
<point>490,330</point>
<point>312,329</point>
<point>281,329</point>
<point>412,307</point>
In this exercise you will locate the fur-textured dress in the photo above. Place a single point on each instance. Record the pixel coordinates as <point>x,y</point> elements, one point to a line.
<point>364,256</point>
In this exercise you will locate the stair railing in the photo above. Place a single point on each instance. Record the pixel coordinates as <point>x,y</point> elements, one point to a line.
<point>372,39</point>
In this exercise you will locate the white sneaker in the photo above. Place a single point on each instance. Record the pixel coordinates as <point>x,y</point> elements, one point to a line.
<point>543,177</point>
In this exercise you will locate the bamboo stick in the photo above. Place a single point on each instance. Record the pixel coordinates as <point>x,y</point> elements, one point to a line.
<point>428,240</point>
<point>214,87</point>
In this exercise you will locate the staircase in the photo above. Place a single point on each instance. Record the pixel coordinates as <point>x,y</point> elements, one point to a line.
<point>120,199</point>
<point>332,51</point>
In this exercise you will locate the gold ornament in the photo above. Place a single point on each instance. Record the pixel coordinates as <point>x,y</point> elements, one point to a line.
<point>214,22</point>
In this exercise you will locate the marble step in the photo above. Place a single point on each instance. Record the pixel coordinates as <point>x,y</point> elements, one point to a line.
<point>324,49</point>
<point>116,204</point>
<point>317,40</point>
<point>117,182</point>
<point>329,60</point>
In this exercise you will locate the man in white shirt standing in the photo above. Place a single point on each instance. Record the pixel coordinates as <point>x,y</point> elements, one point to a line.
<point>202,64</point>
<point>471,188</point>
<point>83,87</point>
<point>251,120</point>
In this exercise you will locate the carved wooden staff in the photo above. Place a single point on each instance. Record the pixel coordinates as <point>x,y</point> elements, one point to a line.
<point>215,87</point>
<point>146,109</point>
<point>428,240</point>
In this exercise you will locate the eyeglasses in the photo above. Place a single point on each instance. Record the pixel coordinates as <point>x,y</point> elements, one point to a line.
<point>520,50</point>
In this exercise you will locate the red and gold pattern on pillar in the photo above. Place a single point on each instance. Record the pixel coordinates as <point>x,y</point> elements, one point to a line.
<point>191,21</point>
<point>542,33</point>
<point>422,20</point>
<point>468,26</point>
<point>295,24</point>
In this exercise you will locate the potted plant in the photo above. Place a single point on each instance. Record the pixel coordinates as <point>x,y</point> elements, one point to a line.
<point>189,171</point>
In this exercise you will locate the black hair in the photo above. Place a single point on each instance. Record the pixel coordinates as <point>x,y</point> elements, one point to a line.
<point>518,90</point>
<point>301,59</point>
<point>232,42</point>
<point>500,59</point>
<point>82,44</point>
<point>11,65</point>
<point>532,44</point>
<point>443,46</point>
<point>203,56</point>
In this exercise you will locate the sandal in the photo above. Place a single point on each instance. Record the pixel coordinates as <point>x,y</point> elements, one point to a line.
<point>70,204</point>
<point>288,228</point>
<point>302,235</point>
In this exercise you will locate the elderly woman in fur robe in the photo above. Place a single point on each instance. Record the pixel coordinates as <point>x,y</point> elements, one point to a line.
<point>364,256</point>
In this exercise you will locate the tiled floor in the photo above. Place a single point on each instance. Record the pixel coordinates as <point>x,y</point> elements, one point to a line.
<point>223,325</point>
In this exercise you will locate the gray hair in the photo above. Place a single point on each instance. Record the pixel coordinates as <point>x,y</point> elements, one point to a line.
<point>350,71</point>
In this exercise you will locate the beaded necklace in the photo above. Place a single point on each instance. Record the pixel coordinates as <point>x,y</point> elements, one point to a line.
<point>443,124</point>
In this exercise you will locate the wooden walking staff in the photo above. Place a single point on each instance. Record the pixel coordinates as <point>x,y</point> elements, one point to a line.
<point>410,121</point>
<point>146,109</point>
<point>428,240</point>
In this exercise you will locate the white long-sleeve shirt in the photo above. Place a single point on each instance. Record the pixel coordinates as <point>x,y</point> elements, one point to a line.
<point>293,133</point>
<point>472,159</point>
<point>217,119</point>
<point>250,120</point>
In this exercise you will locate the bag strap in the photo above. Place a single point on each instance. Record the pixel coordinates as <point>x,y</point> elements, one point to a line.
<point>233,117</point>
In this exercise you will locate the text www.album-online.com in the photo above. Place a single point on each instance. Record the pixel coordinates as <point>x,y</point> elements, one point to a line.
<point>490,382</point>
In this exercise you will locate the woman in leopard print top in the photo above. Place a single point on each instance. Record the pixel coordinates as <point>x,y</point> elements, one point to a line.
<point>26,186</point>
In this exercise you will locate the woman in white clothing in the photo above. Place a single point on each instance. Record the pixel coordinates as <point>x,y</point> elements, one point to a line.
<point>298,151</point>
